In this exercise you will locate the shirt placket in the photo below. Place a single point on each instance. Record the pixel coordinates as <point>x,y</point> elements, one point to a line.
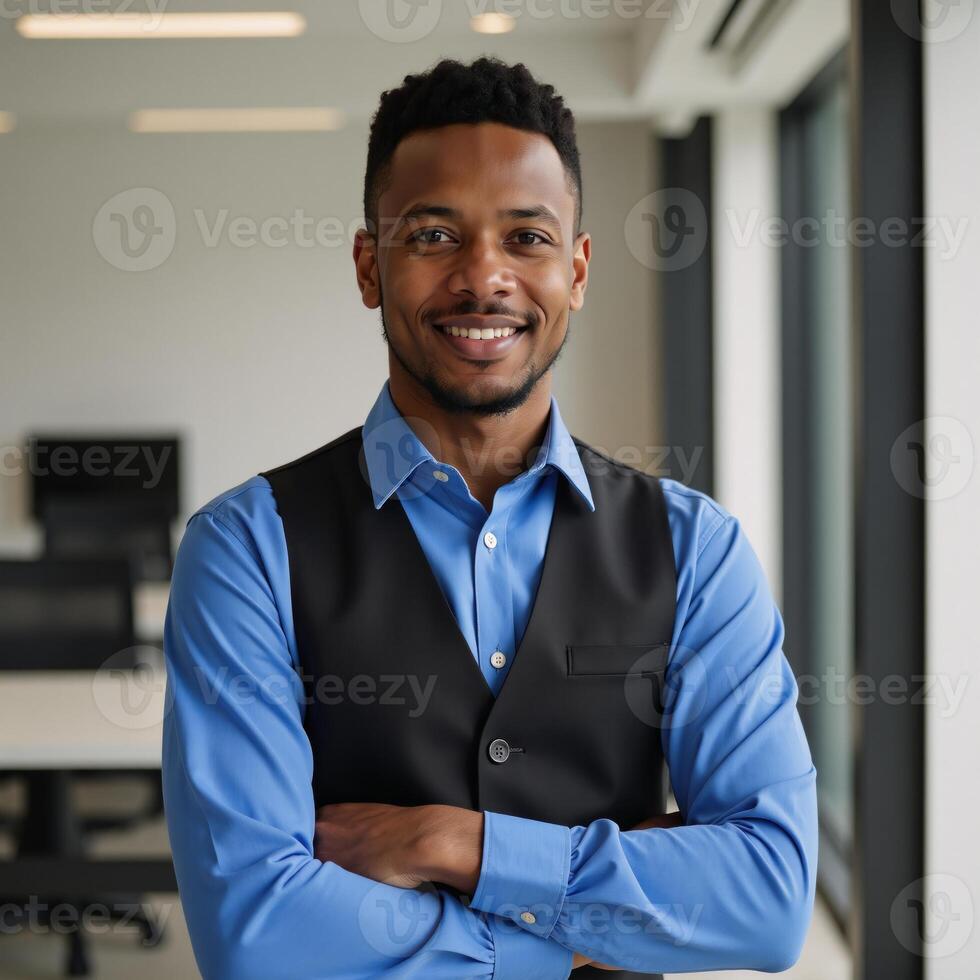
<point>494,596</point>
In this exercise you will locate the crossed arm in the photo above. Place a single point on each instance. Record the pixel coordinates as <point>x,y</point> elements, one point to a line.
<point>268,895</point>
<point>409,846</point>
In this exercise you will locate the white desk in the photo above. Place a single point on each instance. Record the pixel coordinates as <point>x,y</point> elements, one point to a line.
<point>107,719</point>
<point>150,610</point>
<point>57,721</point>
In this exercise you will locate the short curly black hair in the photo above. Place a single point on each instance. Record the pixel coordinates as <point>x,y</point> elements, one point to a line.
<point>487,90</point>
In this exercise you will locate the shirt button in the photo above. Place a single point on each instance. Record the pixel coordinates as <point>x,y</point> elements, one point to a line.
<point>529,918</point>
<point>441,476</point>
<point>499,750</point>
<point>498,658</point>
<point>490,540</point>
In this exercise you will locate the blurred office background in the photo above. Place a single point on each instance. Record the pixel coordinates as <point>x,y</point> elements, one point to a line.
<point>783,205</point>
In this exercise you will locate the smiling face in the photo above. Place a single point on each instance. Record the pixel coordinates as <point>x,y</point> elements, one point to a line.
<point>476,265</point>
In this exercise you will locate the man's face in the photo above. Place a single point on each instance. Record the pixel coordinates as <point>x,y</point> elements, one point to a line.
<point>475,231</point>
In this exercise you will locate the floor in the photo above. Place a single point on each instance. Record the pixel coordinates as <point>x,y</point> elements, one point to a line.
<point>118,955</point>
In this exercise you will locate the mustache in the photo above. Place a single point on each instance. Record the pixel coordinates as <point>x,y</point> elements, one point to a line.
<point>473,307</point>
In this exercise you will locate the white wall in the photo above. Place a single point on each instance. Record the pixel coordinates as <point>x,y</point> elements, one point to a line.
<point>258,354</point>
<point>952,79</point>
<point>746,324</point>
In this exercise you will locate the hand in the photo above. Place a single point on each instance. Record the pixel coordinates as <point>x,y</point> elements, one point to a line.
<point>578,959</point>
<point>403,845</point>
<point>375,840</point>
<point>665,820</point>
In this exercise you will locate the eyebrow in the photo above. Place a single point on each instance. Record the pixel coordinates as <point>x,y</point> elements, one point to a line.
<point>539,212</point>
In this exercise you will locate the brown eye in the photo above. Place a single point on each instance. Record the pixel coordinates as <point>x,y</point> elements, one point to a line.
<point>532,234</point>
<point>422,237</point>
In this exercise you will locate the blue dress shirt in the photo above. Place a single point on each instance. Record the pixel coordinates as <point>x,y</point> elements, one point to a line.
<point>731,889</point>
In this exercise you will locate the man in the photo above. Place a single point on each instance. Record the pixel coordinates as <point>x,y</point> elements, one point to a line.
<point>428,680</point>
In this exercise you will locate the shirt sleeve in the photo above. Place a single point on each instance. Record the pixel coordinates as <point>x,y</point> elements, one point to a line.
<point>732,888</point>
<point>237,770</point>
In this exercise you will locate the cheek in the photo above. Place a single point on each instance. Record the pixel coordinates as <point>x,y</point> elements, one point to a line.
<point>409,275</point>
<point>408,286</point>
<point>549,289</point>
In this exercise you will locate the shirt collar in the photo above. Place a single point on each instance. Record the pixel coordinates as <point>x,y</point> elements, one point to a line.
<point>393,451</point>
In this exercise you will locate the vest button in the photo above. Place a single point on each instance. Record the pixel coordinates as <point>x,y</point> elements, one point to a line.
<point>498,658</point>
<point>499,750</point>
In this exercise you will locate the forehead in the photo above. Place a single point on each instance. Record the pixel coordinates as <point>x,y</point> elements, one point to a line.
<point>470,166</point>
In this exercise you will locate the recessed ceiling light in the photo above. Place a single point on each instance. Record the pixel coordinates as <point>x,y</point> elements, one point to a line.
<point>277,119</point>
<point>274,23</point>
<point>492,23</point>
<point>7,122</point>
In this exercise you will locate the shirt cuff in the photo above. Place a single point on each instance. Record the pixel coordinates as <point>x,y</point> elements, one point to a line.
<point>520,956</point>
<point>524,871</point>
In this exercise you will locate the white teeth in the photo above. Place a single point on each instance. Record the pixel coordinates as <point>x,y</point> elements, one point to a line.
<point>478,333</point>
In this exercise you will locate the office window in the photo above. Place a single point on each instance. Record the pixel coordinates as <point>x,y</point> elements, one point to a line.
<point>818,408</point>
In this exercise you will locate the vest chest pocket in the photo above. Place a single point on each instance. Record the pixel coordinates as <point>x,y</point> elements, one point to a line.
<point>617,659</point>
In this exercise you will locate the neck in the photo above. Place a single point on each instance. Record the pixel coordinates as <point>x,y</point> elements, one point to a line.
<point>488,450</point>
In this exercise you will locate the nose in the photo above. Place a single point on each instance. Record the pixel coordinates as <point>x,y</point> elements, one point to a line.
<point>481,272</point>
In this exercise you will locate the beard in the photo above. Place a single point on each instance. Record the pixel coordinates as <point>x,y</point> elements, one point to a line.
<point>451,399</point>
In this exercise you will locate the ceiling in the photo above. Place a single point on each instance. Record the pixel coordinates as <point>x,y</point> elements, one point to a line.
<point>611,59</point>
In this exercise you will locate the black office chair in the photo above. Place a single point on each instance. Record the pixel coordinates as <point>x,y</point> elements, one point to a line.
<point>103,496</point>
<point>111,527</point>
<point>67,615</point>
<point>64,614</point>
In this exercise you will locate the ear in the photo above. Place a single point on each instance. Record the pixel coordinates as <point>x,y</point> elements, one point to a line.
<point>366,268</point>
<point>580,270</point>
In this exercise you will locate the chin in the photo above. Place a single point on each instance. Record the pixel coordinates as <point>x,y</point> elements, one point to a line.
<point>485,396</point>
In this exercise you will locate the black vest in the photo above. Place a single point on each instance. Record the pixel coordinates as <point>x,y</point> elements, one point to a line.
<point>579,709</point>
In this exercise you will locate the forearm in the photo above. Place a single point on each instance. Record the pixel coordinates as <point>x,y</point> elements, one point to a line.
<point>727,896</point>
<point>711,897</point>
<point>237,774</point>
<point>269,908</point>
